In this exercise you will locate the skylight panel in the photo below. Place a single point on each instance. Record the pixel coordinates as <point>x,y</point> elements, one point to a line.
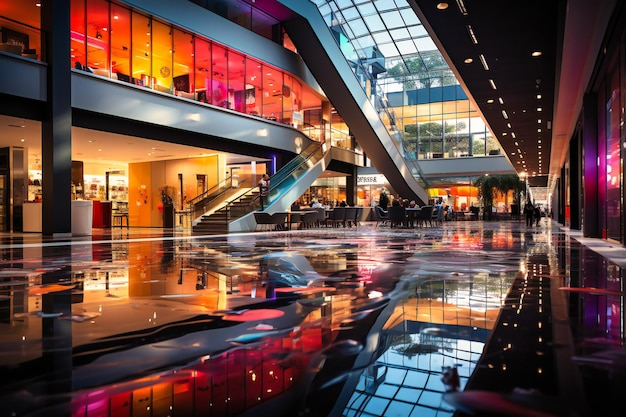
<point>425,44</point>
<point>350,13</point>
<point>400,33</point>
<point>382,37</point>
<point>409,17</point>
<point>367,9</point>
<point>406,47</point>
<point>392,19</point>
<point>388,50</point>
<point>343,4</point>
<point>417,31</point>
<point>384,5</point>
<point>374,23</point>
<point>365,41</point>
<point>358,27</point>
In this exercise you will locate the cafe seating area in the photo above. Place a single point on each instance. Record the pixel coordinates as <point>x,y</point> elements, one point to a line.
<point>309,218</point>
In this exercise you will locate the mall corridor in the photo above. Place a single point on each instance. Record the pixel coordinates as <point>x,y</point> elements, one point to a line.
<point>345,321</point>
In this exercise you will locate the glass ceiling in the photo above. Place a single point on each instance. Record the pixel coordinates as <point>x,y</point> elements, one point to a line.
<point>389,25</point>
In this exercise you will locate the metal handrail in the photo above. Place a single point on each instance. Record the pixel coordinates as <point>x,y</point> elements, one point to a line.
<point>250,201</point>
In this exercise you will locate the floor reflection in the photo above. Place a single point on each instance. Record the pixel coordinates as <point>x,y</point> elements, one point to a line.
<point>327,322</point>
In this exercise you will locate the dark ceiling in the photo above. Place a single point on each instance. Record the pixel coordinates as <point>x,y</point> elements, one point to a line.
<point>568,33</point>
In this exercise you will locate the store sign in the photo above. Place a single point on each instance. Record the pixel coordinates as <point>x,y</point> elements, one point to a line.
<point>370,180</point>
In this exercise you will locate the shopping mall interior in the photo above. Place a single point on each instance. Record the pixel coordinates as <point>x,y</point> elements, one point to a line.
<point>144,271</point>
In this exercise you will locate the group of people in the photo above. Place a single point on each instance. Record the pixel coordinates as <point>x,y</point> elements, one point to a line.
<point>533,214</point>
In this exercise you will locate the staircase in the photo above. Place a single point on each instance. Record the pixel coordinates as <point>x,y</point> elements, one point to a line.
<point>217,223</point>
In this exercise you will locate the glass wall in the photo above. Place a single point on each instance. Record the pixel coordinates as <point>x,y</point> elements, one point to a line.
<point>20,29</point>
<point>113,41</point>
<point>613,154</point>
<point>435,120</point>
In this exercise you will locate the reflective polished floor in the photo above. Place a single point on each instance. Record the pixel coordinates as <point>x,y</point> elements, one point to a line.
<point>470,317</point>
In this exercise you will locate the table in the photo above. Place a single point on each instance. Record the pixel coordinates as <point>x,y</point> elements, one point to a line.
<point>290,214</point>
<point>412,215</point>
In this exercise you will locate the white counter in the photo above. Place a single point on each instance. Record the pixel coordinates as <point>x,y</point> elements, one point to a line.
<point>31,217</point>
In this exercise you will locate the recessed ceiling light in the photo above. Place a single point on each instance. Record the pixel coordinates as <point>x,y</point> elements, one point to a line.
<point>468,60</point>
<point>500,100</point>
<point>492,84</point>
<point>442,5</point>
<point>538,96</point>
<point>536,53</point>
<point>490,101</point>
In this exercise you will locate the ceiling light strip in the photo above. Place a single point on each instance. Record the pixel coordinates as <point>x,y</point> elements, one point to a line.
<point>462,7</point>
<point>472,35</point>
<point>484,62</point>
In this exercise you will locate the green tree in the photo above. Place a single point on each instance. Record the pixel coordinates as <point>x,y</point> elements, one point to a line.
<point>489,185</point>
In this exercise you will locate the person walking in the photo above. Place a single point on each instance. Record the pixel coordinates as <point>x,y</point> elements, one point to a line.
<point>264,188</point>
<point>529,210</point>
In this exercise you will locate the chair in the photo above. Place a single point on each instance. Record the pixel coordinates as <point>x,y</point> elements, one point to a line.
<point>293,218</point>
<point>336,216</point>
<point>321,216</point>
<point>349,216</point>
<point>358,212</point>
<point>279,220</point>
<point>397,216</point>
<point>382,217</point>
<point>262,219</point>
<point>426,215</point>
<point>309,219</point>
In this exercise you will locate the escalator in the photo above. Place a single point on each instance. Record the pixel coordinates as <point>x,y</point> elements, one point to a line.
<point>322,55</point>
<point>287,185</point>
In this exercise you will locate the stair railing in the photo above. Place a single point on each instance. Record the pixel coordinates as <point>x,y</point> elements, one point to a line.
<point>212,197</point>
<point>280,182</point>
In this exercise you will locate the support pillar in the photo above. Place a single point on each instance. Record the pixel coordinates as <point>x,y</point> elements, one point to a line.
<point>56,143</point>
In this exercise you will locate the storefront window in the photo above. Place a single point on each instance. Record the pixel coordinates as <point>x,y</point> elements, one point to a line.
<point>297,117</point>
<point>78,47</point>
<point>219,82</point>
<point>203,69</point>
<point>97,31</point>
<point>236,81</point>
<point>134,48</point>
<point>162,57</point>
<point>183,64</point>
<point>141,52</point>
<point>272,95</point>
<point>613,158</point>
<point>254,90</point>
<point>120,41</point>
<point>287,96</point>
